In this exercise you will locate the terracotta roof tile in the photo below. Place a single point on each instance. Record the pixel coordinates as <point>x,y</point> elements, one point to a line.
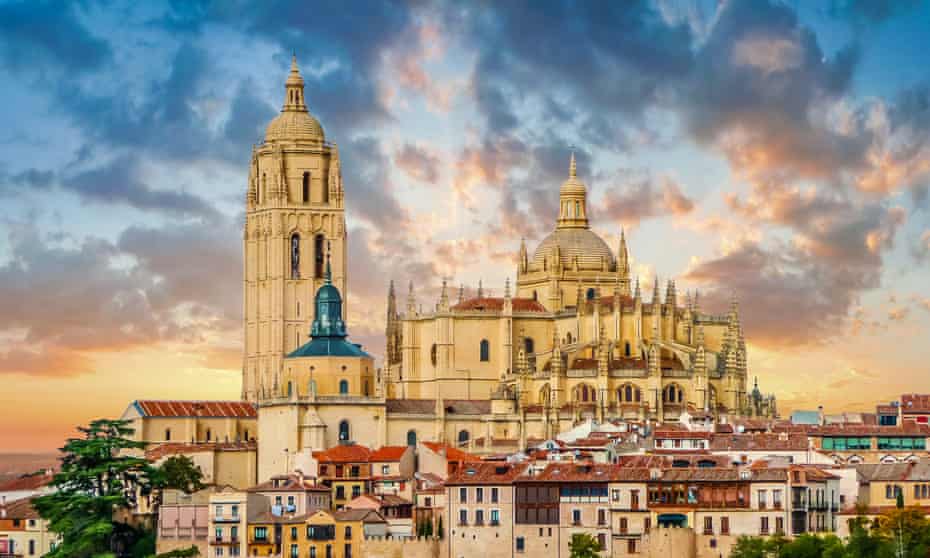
<point>452,454</point>
<point>32,481</point>
<point>288,483</point>
<point>348,453</point>
<point>388,454</point>
<point>20,509</point>
<point>587,472</point>
<point>495,304</point>
<point>486,473</point>
<point>413,406</point>
<point>759,442</point>
<point>913,403</point>
<point>212,409</point>
<point>156,452</point>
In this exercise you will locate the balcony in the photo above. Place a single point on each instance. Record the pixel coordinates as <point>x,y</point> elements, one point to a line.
<point>225,541</point>
<point>835,507</point>
<point>799,504</point>
<point>226,519</point>
<point>494,523</point>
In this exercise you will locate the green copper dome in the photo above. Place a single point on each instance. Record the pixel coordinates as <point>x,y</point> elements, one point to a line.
<point>328,332</point>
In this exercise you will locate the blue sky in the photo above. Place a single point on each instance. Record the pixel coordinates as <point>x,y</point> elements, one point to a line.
<point>776,150</point>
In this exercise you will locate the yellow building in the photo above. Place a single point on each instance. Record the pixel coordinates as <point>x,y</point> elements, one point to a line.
<point>294,217</point>
<point>329,534</point>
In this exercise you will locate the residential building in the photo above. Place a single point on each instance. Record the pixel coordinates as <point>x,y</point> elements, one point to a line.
<point>23,533</point>
<point>480,511</point>
<point>346,470</point>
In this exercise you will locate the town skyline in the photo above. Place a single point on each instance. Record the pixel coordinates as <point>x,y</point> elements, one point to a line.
<point>762,150</point>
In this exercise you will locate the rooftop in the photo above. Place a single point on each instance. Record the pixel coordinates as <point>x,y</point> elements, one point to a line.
<point>486,473</point>
<point>202,409</point>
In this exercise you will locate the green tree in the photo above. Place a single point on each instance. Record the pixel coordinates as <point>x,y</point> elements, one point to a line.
<point>439,530</point>
<point>180,472</point>
<point>181,553</point>
<point>583,545</point>
<point>907,530</point>
<point>749,547</point>
<point>428,531</point>
<point>99,478</point>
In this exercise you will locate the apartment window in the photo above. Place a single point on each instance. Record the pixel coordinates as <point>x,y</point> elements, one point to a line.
<point>32,547</point>
<point>385,469</point>
<point>463,495</point>
<point>356,491</point>
<point>312,552</point>
<point>218,532</point>
<point>463,517</point>
<point>329,551</point>
<point>615,495</point>
<point>428,502</point>
<point>219,551</point>
<point>780,525</point>
<point>630,544</point>
<point>496,518</point>
<point>479,517</point>
<point>724,525</point>
<point>277,500</point>
<point>218,511</point>
<point>764,525</point>
<point>348,551</point>
<point>234,532</point>
<point>355,471</point>
<point>634,499</point>
<point>647,523</point>
<point>295,551</point>
<point>602,541</point>
<point>576,517</point>
<point>520,544</point>
<point>479,495</point>
<point>708,525</point>
<point>340,493</point>
<point>624,525</point>
<point>290,500</point>
<point>494,492</point>
<point>348,532</point>
<point>261,533</point>
<point>776,499</point>
<point>601,517</point>
<point>763,497</point>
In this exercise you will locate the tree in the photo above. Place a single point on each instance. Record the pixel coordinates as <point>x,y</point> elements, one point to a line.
<point>428,530</point>
<point>189,552</point>
<point>583,545</point>
<point>439,530</point>
<point>99,478</point>
<point>749,547</point>
<point>180,472</point>
<point>906,529</point>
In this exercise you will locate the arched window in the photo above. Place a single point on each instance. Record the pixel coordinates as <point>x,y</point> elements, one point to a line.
<point>411,437</point>
<point>629,394</point>
<point>295,256</point>
<point>463,437</point>
<point>585,393</point>
<point>433,354</point>
<point>672,394</point>
<point>568,338</point>
<point>343,387</point>
<point>590,294</point>
<point>290,389</point>
<point>529,346</point>
<point>167,434</point>
<point>305,188</point>
<point>325,193</point>
<point>318,255</point>
<point>485,350</point>
<point>262,187</point>
<point>577,209</point>
<point>344,431</point>
<point>626,349</point>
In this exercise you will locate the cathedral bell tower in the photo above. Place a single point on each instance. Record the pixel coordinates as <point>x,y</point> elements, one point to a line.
<point>294,212</point>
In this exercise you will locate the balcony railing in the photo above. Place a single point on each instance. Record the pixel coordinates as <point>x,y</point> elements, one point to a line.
<point>494,523</point>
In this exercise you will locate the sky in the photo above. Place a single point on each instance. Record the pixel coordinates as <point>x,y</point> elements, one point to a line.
<point>775,151</point>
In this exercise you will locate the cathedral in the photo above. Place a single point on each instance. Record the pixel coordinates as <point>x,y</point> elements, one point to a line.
<point>575,340</point>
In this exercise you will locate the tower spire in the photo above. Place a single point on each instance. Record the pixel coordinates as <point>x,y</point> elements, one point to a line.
<point>294,89</point>
<point>572,168</point>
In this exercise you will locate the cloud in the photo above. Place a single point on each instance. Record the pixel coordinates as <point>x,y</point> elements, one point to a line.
<point>367,182</point>
<point>641,198</point>
<point>418,163</point>
<point>65,300</point>
<point>38,36</point>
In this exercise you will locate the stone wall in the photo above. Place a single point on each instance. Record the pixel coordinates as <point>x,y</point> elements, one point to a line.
<point>670,542</point>
<point>389,547</point>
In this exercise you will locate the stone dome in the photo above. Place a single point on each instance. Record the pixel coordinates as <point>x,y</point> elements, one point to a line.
<point>294,125</point>
<point>587,246</point>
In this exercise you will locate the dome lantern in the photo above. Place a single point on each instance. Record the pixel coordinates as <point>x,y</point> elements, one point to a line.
<point>295,123</point>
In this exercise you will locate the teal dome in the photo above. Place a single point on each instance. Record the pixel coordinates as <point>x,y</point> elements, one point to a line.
<point>328,332</point>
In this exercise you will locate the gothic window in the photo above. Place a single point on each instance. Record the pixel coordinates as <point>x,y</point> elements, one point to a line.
<point>463,437</point>
<point>411,438</point>
<point>485,350</point>
<point>325,193</point>
<point>295,256</point>
<point>262,187</point>
<point>629,394</point>
<point>432,354</point>
<point>590,294</point>
<point>344,431</point>
<point>585,393</point>
<point>529,346</point>
<point>626,349</point>
<point>290,389</point>
<point>672,394</point>
<point>318,256</point>
<point>343,387</point>
<point>305,188</point>
<point>568,338</point>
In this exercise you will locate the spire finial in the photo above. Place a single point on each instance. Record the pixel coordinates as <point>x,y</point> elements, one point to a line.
<point>572,169</point>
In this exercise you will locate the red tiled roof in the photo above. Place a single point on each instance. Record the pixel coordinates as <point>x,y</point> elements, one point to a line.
<point>886,409</point>
<point>682,434</point>
<point>428,406</point>
<point>210,409</point>
<point>288,483</point>
<point>915,403</point>
<point>497,304</point>
<point>759,442</point>
<point>486,473</point>
<point>452,454</point>
<point>587,472</point>
<point>349,453</point>
<point>388,453</point>
<point>156,452</point>
<point>31,481</point>
<point>20,509</point>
